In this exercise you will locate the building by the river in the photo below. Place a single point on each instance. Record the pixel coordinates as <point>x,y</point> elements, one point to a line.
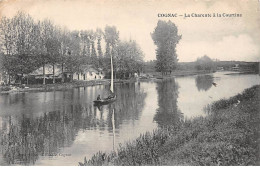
<point>85,73</point>
<point>235,68</point>
<point>88,73</point>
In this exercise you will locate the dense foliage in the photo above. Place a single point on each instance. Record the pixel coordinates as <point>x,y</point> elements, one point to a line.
<point>205,63</point>
<point>27,44</point>
<point>165,37</point>
<point>129,58</point>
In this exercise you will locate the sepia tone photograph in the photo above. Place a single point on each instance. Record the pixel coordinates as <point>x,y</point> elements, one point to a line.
<point>129,83</point>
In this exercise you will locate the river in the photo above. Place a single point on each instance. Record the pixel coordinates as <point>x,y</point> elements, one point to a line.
<point>62,127</point>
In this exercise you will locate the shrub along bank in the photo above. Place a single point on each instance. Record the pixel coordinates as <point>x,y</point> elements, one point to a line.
<point>229,135</point>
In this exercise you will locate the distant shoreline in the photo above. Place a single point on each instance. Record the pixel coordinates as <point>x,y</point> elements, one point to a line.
<point>75,84</point>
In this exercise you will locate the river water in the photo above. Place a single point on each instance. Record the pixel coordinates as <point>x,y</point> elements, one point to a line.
<point>63,127</point>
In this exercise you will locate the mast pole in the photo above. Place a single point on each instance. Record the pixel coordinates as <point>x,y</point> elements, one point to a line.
<point>112,76</point>
<point>114,134</point>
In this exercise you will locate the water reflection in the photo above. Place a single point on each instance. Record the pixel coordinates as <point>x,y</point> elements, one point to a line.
<point>129,103</point>
<point>204,82</point>
<point>24,138</point>
<point>168,112</point>
<point>35,127</point>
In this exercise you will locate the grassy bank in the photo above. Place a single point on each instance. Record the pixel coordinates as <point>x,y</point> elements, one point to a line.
<point>229,135</point>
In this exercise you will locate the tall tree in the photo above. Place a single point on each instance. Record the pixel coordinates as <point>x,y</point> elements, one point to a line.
<point>93,58</point>
<point>74,60</point>
<point>19,42</point>
<point>7,39</point>
<point>83,39</point>
<point>165,37</point>
<point>87,36</point>
<point>64,45</point>
<point>53,50</point>
<point>47,32</point>
<point>99,34</point>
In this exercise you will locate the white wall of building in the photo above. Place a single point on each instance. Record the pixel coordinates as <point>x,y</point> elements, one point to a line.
<point>88,76</point>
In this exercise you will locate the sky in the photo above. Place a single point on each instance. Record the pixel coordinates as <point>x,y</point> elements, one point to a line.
<point>223,38</point>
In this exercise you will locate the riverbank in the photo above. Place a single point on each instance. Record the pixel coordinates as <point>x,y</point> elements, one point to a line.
<point>52,87</point>
<point>229,135</point>
<point>69,85</point>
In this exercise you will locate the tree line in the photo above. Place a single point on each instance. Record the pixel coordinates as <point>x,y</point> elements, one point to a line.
<point>28,44</point>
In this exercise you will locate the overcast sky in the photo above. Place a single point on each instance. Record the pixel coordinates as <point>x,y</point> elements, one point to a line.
<point>233,38</point>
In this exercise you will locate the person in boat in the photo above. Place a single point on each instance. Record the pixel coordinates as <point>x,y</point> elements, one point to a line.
<point>98,98</point>
<point>110,96</point>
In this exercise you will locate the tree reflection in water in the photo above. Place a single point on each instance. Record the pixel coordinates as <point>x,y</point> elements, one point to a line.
<point>24,139</point>
<point>204,82</point>
<point>129,103</point>
<point>168,112</point>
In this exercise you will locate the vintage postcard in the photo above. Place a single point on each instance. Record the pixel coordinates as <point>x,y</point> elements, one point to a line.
<point>129,82</point>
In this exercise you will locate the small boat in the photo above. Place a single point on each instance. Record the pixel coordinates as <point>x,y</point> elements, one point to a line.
<point>104,101</point>
<point>110,98</point>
